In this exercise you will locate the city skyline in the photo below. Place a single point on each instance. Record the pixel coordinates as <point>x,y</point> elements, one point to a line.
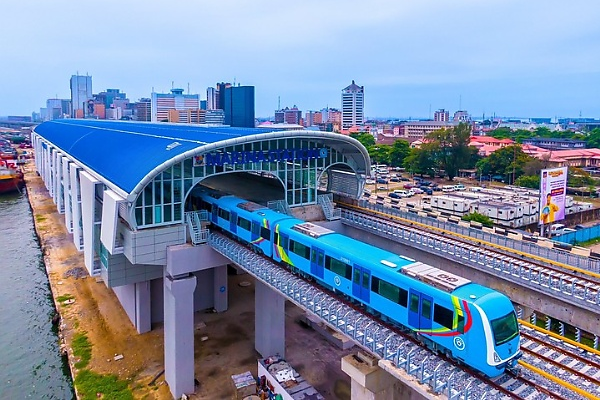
<point>500,58</point>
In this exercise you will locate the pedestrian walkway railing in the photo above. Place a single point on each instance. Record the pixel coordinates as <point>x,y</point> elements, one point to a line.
<point>280,206</point>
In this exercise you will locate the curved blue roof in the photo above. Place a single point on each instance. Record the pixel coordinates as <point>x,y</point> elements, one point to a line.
<point>112,147</point>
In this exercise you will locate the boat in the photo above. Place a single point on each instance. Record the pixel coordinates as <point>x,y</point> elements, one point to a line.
<point>11,179</point>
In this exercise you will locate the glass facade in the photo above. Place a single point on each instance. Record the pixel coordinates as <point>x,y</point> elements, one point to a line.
<point>297,162</point>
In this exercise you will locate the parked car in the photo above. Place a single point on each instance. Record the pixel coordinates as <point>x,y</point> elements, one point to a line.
<point>403,179</point>
<point>402,193</point>
<point>408,186</point>
<point>560,229</point>
<point>394,179</point>
<point>426,183</point>
<point>370,181</point>
<point>382,181</point>
<point>460,186</point>
<point>448,188</point>
<point>426,190</point>
<point>394,195</point>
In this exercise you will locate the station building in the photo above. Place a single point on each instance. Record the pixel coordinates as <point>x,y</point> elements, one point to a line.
<point>126,190</point>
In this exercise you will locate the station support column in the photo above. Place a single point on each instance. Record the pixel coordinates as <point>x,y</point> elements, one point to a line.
<point>269,321</point>
<point>179,333</point>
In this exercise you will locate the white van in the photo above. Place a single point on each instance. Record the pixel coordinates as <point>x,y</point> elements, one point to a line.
<point>560,229</point>
<point>448,188</point>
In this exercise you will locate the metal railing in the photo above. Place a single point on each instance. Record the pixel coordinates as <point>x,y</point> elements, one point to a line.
<point>194,219</point>
<point>515,270</point>
<point>363,329</point>
<point>504,241</point>
<point>326,203</point>
<point>280,206</point>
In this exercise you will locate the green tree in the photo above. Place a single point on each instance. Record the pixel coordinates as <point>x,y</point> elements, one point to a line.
<point>380,153</point>
<point>501,133</point>
<point>451,147</point>
<point>399,151</point>
<point>482,219</point>
<point>528,181</point>
<point>507,161</point>
<point>366,139</point>
<point>420,162</point>
<point>593,139</point>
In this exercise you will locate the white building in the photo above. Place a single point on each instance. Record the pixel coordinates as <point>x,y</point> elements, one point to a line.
<point>81,92</point>
<point>353,104</point>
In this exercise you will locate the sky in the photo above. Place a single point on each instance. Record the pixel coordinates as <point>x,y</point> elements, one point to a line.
<point>509,58</point>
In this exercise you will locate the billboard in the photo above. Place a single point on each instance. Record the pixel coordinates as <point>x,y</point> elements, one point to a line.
<point>553,191</point>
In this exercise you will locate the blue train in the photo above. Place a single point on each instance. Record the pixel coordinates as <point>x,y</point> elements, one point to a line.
<point>468,322</point>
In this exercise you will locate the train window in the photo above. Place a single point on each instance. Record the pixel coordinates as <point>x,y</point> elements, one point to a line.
<point>255,228</point>
<point>265,233</point>
<point>442,316</point>
<point>244,223</point>
<point>388,291</point>
<point>365,280</point>
<point>505,328</point>
<point>403,299</point>
<point>223,214</point>
<point>276,238</point>
<point>338,267</point>
<point>414,303</point>
<point>300,249</point>
<point>461,324</point>
<point>356,278</point>
<point>426,309</point>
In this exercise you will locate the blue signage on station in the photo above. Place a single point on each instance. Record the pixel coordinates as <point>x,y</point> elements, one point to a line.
<point>243,157</point>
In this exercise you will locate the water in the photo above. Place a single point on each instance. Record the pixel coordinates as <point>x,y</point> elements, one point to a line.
<point>30,363</point>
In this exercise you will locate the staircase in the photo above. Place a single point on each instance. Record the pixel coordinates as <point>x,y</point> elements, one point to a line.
<point>198,232</point>
<point>326,203</point>
<point>280,206</point>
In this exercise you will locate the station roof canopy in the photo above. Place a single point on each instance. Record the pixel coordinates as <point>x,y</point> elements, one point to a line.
<point>127,153</point>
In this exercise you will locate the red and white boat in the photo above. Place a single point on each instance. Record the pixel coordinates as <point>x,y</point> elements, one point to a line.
<point>11,179</point>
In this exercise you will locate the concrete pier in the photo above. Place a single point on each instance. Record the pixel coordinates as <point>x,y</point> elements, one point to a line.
<point>269,321</point>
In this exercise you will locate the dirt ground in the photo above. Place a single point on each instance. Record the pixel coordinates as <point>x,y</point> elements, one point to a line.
<point>224,343</point>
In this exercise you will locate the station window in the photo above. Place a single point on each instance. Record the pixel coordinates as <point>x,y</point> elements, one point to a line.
<point>442,316</point>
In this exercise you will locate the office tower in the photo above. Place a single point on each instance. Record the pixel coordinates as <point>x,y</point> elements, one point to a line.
<point>352,106</point>
<point>288,116</point>
<point>81,93</point>
<point>211,98</point>
<point>238,106</point>
<point>220,95</point>
<point>163,103</point>
<point>441,115</point>
<point>143,110</point>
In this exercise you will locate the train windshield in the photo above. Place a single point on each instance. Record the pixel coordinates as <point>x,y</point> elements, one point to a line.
<point>505,328</point>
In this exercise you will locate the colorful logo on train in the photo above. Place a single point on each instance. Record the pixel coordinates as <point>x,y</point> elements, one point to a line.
<point>279,250</point>
<point>463,311</point>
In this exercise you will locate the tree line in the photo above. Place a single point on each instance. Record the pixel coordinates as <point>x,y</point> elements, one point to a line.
<point>444,152</point>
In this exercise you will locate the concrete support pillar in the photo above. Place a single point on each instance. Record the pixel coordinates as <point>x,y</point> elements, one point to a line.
<point>179,333</point>
<point>220,288</point>
<point>269,321</point>
<point>527,311</point>
<point>143,315</point>
<point>368,380</point>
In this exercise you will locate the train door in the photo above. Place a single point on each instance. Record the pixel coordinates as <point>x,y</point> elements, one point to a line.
<point>361,283</point>
<point>215,214</point>
<point>420,310</point>
<point>233,222</point>
<point>283,244</point>
<point>317,259</point>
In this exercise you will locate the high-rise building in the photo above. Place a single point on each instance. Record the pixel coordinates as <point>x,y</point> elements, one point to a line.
<point>313,118</point>
<point>441,115</point>
<point>57,108</point>
<point>81,93</point>
<point>288,116</point>
<point>353,106</point>
<point>238,106</point>
<point>461,116</point>
<point>143,110</point>
<point>220,95</point>
<point>211,99</point>
<point>162,103</point>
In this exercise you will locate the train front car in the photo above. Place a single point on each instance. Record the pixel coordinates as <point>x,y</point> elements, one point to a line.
<point>495,339</point>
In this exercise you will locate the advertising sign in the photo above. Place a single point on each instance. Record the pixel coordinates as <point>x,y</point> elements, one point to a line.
<point>553,191</point>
